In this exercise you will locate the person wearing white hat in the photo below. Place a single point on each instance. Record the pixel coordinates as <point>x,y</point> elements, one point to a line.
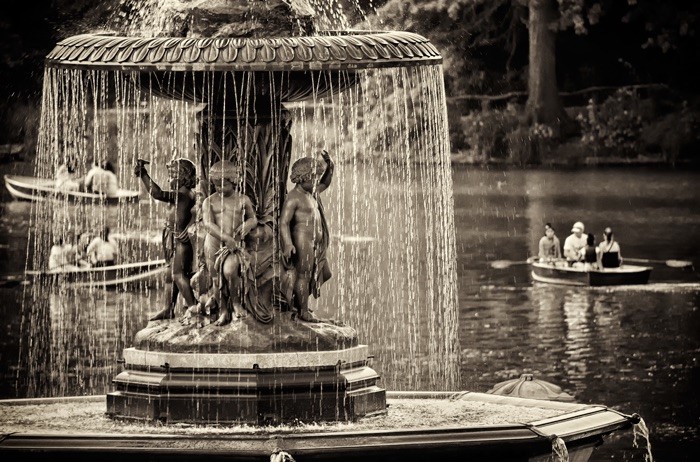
<point>574,243</point>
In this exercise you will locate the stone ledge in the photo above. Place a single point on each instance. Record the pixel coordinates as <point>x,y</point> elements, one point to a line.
<point>302,359</point>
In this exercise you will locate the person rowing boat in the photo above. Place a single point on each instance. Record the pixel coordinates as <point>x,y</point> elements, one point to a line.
<point>574,243</point>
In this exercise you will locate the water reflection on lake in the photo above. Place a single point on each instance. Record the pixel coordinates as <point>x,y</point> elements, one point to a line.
<point>632,348</point>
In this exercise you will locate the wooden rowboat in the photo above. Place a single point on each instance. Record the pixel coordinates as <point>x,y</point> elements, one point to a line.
<point>559,272</point>
<point>10,152</point>
<point>30,188</point>
<point>105,276</point>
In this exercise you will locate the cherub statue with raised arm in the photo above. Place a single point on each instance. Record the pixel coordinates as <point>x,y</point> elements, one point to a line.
<point>304,232</point>
<point>178,248</point>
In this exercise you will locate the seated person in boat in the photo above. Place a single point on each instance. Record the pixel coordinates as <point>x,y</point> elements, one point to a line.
<point>102,180</point>
<point>179,251</point>
<point>87,181</point>
<point>81,254</point>
<point>609,255</point>
<point>227,216</point>
<point>574,243</point>
<point>589,254</point>
<point>102,250</point>
<point>62,256</point>
<point>66,178</point>
<point>549,247</point>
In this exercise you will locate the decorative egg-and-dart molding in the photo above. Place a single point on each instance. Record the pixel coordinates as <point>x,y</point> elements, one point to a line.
<point>330,51</point>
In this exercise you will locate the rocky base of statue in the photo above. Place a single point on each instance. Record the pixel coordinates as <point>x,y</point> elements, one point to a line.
<point>252,388</point>
<point>244,335</point>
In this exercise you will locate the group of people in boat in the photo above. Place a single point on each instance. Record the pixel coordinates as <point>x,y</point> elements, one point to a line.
<point>580,249</point>
<point>99,179</point>
<point>88,251</point>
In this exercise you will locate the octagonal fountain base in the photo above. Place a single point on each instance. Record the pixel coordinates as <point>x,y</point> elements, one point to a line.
<point>418,426</point>
<point>253,388</point>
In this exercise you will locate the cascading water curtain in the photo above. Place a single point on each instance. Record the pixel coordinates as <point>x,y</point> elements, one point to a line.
<point>390,208</point>
<point>72,334</point>
<point>391,218</point>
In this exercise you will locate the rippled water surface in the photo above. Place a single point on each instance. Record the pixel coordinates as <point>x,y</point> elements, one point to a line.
<point>631,348</point>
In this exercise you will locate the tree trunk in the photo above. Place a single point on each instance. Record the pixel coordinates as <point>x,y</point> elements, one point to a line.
<point>543,102</point>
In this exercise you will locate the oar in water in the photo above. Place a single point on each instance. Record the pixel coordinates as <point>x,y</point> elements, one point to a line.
<point>502,264</point>
<point>669,263</point>
<point>354,239</point>
<point>11,280</point>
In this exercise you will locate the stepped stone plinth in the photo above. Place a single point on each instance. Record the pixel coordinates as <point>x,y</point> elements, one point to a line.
<point>243,373</point>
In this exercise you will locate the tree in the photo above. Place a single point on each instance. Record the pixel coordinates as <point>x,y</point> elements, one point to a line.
<point>468,30</point>
<point>496,23</point>
<point>478,39</point>
<point>543,102</point>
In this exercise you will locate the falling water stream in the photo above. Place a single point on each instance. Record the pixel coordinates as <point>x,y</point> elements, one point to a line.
<point>559,451</point>
<point>148,18</point>
<point>641,431</point>
<point>390,211</point>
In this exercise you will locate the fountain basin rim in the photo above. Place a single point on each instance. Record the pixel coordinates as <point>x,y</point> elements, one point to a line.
<point>346,50</point>
<point>579,425</point>
<point>406,394</point>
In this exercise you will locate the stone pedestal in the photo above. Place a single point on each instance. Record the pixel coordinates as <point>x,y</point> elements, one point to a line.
<point>170,381</point>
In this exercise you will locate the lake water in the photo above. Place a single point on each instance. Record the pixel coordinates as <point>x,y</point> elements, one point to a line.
<point>634,348</point>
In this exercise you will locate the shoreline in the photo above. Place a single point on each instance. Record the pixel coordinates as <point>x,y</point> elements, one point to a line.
<point>459,160</point>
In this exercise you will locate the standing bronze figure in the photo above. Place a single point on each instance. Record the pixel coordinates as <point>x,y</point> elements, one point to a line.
<point>304,232</point>
<point>177,246</point>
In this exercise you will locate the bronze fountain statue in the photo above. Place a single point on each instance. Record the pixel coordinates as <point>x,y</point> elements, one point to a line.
<point>245,347</point>
<point>176,242</point>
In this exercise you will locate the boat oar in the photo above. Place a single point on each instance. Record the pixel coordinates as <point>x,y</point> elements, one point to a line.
<point>669,263</point>
<point>502,264</point>
<point>11,280</point>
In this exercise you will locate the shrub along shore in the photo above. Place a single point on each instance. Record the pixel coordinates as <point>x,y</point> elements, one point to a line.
<point>623,128</point>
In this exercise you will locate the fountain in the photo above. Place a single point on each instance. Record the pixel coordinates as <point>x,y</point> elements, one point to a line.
<point>235,91</point>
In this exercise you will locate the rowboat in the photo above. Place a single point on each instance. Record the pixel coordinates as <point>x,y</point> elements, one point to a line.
<point>30,188</point>
<point>559,272</point>
<point>105,276</point>
<point>10,152</point>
